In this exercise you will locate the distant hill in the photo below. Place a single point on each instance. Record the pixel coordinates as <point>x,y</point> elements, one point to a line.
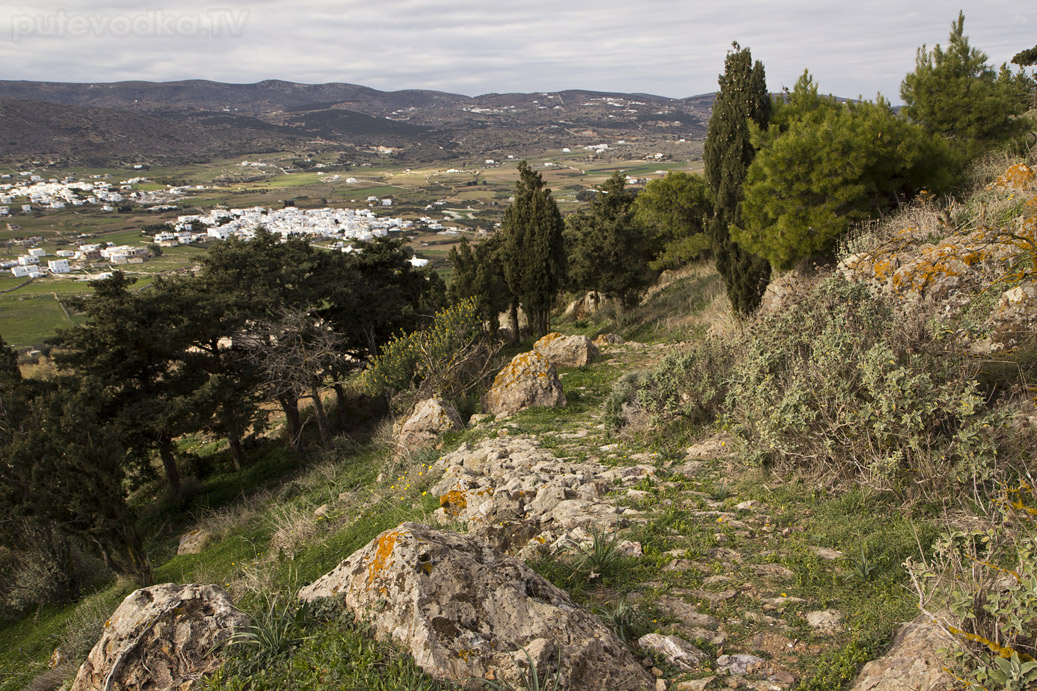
<point>187,120</point>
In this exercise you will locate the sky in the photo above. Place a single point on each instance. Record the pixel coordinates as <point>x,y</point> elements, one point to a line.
<point>670,48</point>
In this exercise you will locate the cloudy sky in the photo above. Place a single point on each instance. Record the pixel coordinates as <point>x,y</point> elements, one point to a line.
<point>667,47</point>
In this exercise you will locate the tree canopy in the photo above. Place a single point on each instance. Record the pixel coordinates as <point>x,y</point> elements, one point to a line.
<point>823,165</point>
<point>955,93</point>
<point>675,208</point>
<point>609,248</point>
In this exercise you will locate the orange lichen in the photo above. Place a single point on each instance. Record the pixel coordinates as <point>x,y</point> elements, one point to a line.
<point>383,554</point>
<point>1017,176</point>
<point>454,502</point>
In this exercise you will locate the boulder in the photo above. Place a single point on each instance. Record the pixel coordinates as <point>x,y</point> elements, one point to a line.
<point>912,663</point>
<point>465,611</point>
<point>428,420</point>
<point>161,637</point>
<point>566,351</point>
<point>528,380</point>
<point>193,541</point>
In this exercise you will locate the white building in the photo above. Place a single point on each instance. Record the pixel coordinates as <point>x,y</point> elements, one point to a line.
<point>38,252</point>
<point>58,266</point>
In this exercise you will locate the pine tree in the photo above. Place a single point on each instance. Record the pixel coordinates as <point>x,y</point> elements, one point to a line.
<point>955,93</point>
<point>743,99</point>
<point>534,252</point>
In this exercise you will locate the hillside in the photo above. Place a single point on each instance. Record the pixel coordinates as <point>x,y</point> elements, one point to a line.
<point>678,503</point>
<point>77,123</point>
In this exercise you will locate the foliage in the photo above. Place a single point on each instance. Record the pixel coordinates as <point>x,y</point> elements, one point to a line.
<point>532,680</point>
<point>955,93</point>
<point>981,585</point>
<point>274,629</point>
<point>448,358</point>
<point>533,252</point>
<point>609,249</point>
<point>689,384</point>
<point>674,208</point>
<point>822,165</point>
<point>479,276</point>
<point>743,99</point>
<point>836,386</point>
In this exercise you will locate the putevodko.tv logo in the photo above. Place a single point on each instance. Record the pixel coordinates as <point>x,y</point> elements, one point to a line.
<point>214,23</point>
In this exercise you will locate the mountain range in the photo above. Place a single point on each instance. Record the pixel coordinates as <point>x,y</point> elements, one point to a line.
<point>196,120</point>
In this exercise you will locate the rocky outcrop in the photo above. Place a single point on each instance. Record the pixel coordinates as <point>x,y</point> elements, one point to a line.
<point>428,420</point>
<point>566,351</point>
<point>515,495</point>
<point>912,663</point>
<point>589,304</point>
<point>528,380</point>
<point>161,637</point>
<point>465,611</point>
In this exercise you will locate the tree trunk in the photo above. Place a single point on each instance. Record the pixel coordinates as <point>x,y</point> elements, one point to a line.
<point>322,418</point>
<point>165,452</point>
<point>341,407</point>
<point>293,428</point>
<point>237,456</point>
<point>513,316</point>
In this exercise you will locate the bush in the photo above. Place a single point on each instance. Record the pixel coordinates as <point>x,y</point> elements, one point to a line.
<point>840,386</point>
<point>692,384</point>
<point>449,358</point>
<point>981,586</point>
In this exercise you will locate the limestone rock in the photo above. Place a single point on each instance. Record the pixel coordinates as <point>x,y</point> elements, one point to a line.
<point>509,491</point>
<point>528,380</point>
<point>738,665</point>
<point>677,651</point>
<point>608,340</point>
<point>161,637</point>
<point>912,662</point>
<point>589,304</point>
<point>464,610</point>
<point>193,541</point>
<point>427,421</point>
<point>566,351</point>
<point>826,621</point>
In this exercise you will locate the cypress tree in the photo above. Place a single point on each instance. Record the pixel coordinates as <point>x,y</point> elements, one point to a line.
<point>534,253</point>
<point>743,99</point>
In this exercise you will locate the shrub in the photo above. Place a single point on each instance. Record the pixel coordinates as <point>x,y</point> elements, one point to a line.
<point>981,586</point>
<point>840,386</point>
<point>690,384</point>
<point>450,357</point>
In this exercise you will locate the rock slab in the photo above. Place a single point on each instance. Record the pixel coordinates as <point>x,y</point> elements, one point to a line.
<point>527,381</point>
<point>161,637</point>
<point>912,662</point>
<point>465,611</point>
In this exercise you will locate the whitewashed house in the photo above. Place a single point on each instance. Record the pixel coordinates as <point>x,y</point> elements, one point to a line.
<point>58,266</point>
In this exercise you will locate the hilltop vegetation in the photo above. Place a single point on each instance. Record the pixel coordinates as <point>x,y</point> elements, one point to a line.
<point>780,478</point>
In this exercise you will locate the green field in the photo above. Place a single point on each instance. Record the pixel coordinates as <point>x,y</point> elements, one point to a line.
<point>31,313</point>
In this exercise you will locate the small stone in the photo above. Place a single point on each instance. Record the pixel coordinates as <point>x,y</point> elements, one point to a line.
<point>772,571</point>
<point>826,621</point>
<point>695,684</point>
<point>782,677</point>
<point>677,651</point>
<point>660,685</point>
<point>193,542</point>
<point>739,664</point>
<point>322,511</point>
<point>826,553</point>
<point>657,673</point>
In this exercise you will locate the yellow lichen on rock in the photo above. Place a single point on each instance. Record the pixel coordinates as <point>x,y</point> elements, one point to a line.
<point>383,554</point>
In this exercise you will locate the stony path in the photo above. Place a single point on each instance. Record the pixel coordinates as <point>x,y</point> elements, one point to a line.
<point>714,579</point>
